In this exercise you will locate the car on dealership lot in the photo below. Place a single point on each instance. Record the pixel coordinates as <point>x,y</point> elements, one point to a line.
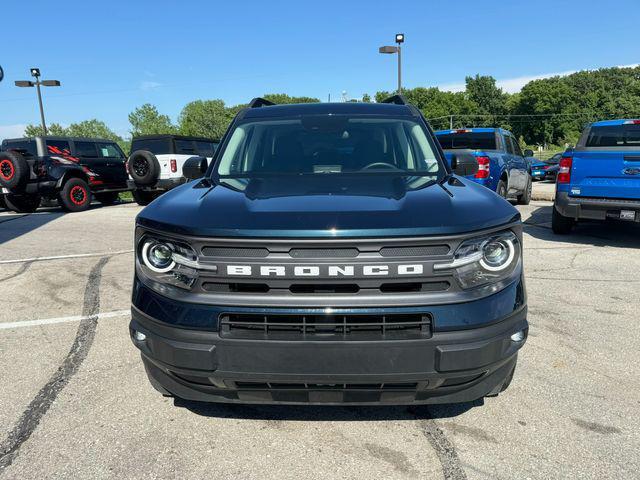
<point>599,179</point>
<point>546,169</point>
<point>155,164</point>
<point>329,255</point>
<point>491,157</point>
<point>72,170</point>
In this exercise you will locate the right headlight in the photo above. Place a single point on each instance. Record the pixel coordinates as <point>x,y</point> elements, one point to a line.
<point>168,262</point>
<point>483,260</point>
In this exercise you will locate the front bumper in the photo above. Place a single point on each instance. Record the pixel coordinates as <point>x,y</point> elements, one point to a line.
<point>161,184</point>
<point>594,208</point>
<point>450,366</point>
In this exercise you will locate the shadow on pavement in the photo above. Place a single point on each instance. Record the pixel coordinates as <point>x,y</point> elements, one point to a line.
<point>326,413</point>
<point>600,234</point>
<point>14,225</point>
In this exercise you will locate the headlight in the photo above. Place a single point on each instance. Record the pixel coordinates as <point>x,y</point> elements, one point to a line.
<point>484,260</point>
<point>168,262</point>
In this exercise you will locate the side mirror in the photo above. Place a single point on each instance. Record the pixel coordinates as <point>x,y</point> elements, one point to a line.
<point>528,153</point>
<point>454,162</point>
<point>194,167</point>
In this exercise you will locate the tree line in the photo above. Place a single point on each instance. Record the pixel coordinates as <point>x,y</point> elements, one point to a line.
<point>550,112</point>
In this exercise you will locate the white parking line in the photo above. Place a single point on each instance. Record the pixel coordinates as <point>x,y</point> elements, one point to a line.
<point>49,321</point>
<point>61,257</point>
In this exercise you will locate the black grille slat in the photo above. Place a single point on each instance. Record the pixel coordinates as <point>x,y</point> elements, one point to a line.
<point>235,252</point>
<point>415,251</point>
<point>323,252</point>
<point>319,326</point>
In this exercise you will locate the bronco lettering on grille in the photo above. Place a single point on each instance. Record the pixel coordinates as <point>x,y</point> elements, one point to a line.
<point>376,270</point>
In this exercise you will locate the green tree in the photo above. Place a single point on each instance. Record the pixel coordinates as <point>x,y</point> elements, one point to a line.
<point>366,98</point>
<point>205,118</point>
<point>92,129</point>
<point>146,120</point>
<point>36,130</point>
<point>282,98</point>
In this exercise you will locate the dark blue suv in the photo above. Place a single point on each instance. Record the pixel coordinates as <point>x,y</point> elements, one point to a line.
<point>328,255</point>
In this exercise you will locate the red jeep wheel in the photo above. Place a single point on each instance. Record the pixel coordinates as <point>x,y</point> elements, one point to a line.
<point>75,196</point>
<point>7,171</point>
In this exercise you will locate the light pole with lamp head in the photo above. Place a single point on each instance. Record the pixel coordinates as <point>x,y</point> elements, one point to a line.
<point>35,72</point>
<point>398,50</point>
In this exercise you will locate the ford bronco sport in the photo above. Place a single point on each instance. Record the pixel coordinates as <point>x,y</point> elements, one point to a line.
<point>155,164</point>
<point>328,255</point>
<point>71,170</point>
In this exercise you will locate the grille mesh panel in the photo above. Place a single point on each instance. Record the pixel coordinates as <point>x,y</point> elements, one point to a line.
<point>235,252</point>
<point>415,251</point>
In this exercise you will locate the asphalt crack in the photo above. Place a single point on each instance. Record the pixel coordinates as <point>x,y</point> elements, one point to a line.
<point>23,268</point>
<point>39,406</point>
<point>444,449</point>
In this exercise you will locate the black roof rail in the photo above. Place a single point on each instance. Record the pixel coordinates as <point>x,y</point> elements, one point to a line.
<point>396,99</point>
<point>260,102</point>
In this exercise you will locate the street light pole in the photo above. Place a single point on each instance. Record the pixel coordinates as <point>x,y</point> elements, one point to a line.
<point>398,50</point>
<point>44,125</point>
<point>35,72</point>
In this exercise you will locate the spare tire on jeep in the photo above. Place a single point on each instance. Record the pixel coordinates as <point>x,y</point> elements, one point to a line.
<point>143,167</point>
<point>14,170</point>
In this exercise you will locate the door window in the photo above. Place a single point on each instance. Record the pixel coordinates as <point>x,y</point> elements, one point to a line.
<point>86,149</point>
<point>109,150</point>
<point>508,145</point>
<point>185,147</point>
<point>58,147</point>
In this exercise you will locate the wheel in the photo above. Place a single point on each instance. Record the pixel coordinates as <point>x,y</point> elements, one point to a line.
<point>525,198</point>
<point>22,203</point>
<point>501,189</point>
<point>560,224</point>
<point>107,198</point>
<point>14,171</point>
<point>144,168</point>
<point>75,195</point>
<point>144,197</point>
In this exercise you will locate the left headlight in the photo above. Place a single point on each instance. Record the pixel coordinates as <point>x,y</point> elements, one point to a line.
<point>169,262</point>
<point>483,260</point>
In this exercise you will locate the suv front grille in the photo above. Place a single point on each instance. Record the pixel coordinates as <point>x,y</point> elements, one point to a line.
<point>326,326</point>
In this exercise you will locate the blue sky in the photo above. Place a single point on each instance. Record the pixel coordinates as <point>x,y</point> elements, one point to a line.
<point>113,56</point>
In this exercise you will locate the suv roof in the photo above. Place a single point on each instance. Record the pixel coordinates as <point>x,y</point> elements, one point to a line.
<point>176,137</point>
<point>360,108</point>
<point>55,137</point>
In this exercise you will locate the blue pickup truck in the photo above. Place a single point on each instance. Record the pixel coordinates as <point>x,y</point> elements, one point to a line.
<point>490,157</point>
<point>600,178</point>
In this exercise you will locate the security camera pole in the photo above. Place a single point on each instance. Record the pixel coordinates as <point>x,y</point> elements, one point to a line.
<point>35,72</point>
<point>398,50</point>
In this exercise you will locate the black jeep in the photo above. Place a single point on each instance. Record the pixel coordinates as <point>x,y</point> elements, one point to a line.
<point>73,170</point>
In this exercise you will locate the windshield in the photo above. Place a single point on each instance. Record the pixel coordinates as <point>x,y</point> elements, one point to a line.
<point>329,145</point>
<point>614,136</point>
<point>465,139</point>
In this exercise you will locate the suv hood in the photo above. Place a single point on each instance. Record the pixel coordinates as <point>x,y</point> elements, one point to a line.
<point>327,207</point>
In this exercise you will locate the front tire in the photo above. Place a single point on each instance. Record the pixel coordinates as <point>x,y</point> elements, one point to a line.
<point>22,203</point>
<point>501,189</point>
<point>525,198</point>
<point>107,198</point>
<point>75,195</point>
<point>144,197</point>
<point>560,224</point>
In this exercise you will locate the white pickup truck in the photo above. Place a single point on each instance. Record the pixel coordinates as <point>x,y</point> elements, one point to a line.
<point>155,163</point>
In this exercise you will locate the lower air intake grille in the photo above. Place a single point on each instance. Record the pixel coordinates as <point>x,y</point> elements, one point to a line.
<point>326,327</point>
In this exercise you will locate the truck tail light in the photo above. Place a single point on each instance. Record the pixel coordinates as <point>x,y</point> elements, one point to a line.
<point>564,172</point>
<point>483,167</point>
<point>632,122</point>
<point>174,165</point>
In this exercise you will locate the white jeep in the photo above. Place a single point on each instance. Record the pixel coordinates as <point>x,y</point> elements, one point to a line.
<point>155,164</point>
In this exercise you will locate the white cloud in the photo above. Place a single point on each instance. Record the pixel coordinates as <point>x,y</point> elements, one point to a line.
<point>12,131</point>
<point>513,85</point>
<point>149,85</point>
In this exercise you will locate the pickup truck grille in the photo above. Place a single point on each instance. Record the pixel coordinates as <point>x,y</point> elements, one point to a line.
<point>325,326</point>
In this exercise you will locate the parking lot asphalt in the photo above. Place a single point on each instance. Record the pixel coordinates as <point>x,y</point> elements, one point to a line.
<point>75,402</point>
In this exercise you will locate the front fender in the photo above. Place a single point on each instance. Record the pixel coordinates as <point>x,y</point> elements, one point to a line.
<point>63,172</point>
